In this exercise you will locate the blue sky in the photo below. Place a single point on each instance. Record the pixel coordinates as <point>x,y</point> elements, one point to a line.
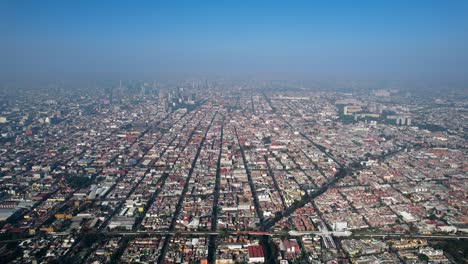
<point>139,39</point>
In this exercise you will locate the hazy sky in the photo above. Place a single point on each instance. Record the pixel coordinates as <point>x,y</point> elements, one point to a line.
<point>136,39</point>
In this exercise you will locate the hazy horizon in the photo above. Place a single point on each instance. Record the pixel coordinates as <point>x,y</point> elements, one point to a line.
<point>362,40</point>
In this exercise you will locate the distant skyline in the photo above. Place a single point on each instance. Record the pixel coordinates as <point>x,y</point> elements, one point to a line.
<point>395,40</point>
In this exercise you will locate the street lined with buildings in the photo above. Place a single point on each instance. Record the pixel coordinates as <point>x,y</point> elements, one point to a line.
<point>250,175</point>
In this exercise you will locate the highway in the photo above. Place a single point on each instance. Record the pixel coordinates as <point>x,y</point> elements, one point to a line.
<point>393,235</point>
<point>275,234</point>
